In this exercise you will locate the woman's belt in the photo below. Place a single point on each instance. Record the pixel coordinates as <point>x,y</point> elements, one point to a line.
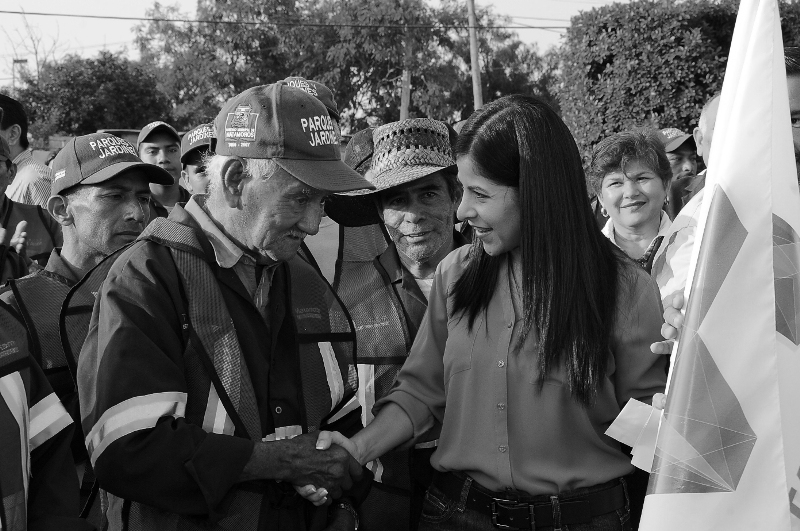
<point>509,511</point>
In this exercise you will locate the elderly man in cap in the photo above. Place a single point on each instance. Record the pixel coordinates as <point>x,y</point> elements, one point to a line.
<point>196,146</point>
<point>325,244</point>
<point>416,195</point>
<point>215,351</point>
<point>160,144</point>
<point>100,197</point>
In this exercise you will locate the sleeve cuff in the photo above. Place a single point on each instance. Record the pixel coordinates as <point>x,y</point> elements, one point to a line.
<point>217,465</point>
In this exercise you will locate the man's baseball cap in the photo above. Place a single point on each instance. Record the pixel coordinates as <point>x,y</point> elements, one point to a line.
<point>316,89</point>
<point>98,157</point>
<point>673,138</point>
<point>293,128</point>
<point>152,127</point>
<point>201,137</point>
<point>5,150</point>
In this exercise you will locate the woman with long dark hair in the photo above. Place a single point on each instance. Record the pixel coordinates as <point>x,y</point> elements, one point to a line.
<point>535,337</point>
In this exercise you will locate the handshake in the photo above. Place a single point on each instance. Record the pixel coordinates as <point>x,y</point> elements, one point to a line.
<point>321,465</point>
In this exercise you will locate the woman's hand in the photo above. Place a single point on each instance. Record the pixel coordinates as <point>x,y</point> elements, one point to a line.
<point>314,495</point>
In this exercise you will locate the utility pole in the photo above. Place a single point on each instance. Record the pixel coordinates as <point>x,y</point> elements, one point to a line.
<point>477,94</point>
<point>405,94</point>
<point>14,64</point>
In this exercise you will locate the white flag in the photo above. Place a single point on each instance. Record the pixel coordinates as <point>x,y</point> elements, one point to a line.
<point>728,448</point>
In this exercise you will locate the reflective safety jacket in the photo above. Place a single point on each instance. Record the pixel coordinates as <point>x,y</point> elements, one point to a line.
<point>38,486</point>
<point>180,374</point>
<point>387,307</point>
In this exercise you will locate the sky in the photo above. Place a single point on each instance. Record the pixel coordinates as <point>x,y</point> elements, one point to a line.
<point>86,37</point>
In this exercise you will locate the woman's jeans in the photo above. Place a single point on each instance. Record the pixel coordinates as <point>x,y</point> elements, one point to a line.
<point>441,513</point>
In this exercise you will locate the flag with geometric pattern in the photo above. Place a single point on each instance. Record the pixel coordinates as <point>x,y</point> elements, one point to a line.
<point>728,449</point>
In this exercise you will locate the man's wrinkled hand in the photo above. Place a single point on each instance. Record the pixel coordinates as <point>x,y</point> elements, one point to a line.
<point>332,469</point>
<point>673,321</point>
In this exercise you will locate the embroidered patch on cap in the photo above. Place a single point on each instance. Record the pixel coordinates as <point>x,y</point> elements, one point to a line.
<point>302,84</point>
<point>241,125</point>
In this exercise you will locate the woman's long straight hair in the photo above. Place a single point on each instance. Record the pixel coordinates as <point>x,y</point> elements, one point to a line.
<point>570,271</point>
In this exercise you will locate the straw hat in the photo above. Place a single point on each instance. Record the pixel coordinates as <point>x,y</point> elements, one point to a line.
<point>403,151</point>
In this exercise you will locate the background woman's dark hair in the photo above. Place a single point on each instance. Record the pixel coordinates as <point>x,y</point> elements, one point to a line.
<point>570,271</point>
<point>612,154</point>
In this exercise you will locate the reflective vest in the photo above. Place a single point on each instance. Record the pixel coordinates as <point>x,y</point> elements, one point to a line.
<point>39,297</point>
<point>382,331</point>
<point>325,346</point>
<point>30,414</point>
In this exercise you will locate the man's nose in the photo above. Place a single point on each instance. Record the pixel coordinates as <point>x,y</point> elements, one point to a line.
<point>136,210</point>
<point>311,219</point>
<point>414,213</point>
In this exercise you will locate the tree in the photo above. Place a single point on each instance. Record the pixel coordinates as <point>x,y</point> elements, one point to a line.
<point>76,96</point>
<point>355,47</point>
<point>647,63</point>
<point>201,65</point>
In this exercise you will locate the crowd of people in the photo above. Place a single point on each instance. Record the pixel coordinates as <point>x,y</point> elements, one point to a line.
<point>242,328</point>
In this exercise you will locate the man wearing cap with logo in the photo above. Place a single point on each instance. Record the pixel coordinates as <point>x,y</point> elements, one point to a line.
<point>160,144</point>
<point>41,232</point>
<point>415,199</point>
<point>100,197</point>
<point>196,146</point>
<point>324,245</point>
<point>682,154</point>
<point>215,351</point>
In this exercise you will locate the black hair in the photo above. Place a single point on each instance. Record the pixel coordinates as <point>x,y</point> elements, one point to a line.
<point>615,152</point>
<point>570,271</point>
<point>14,114</point>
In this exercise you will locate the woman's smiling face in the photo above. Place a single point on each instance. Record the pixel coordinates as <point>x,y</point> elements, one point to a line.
<point>634,198</point>
<point>491,209</point>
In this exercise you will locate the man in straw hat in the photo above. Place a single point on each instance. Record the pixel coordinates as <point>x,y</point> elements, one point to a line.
<point>416,194</point>
<point>215,351</point>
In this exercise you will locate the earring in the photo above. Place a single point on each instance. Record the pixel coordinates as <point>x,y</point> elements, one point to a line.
<point>603,212</point>
<point>666,201</point>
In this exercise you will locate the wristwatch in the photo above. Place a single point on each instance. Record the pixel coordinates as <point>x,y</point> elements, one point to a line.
<point>350,509</point>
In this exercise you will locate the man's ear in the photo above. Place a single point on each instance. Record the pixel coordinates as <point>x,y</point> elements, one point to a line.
<point>14,133</point>
<point>697,134</point>
<point>57,207</point>
<point>184,181</point>
<point>233,176</point>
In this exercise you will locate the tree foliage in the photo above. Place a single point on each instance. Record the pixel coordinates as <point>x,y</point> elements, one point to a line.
<point>355,47</point>
<point>77,96</point>
<point>647,63</point>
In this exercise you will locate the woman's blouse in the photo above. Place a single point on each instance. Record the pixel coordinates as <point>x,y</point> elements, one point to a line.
<point>646,260</point>
<point>497,426</point>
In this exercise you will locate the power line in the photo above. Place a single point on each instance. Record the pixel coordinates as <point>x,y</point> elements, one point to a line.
<point>257,23</point>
